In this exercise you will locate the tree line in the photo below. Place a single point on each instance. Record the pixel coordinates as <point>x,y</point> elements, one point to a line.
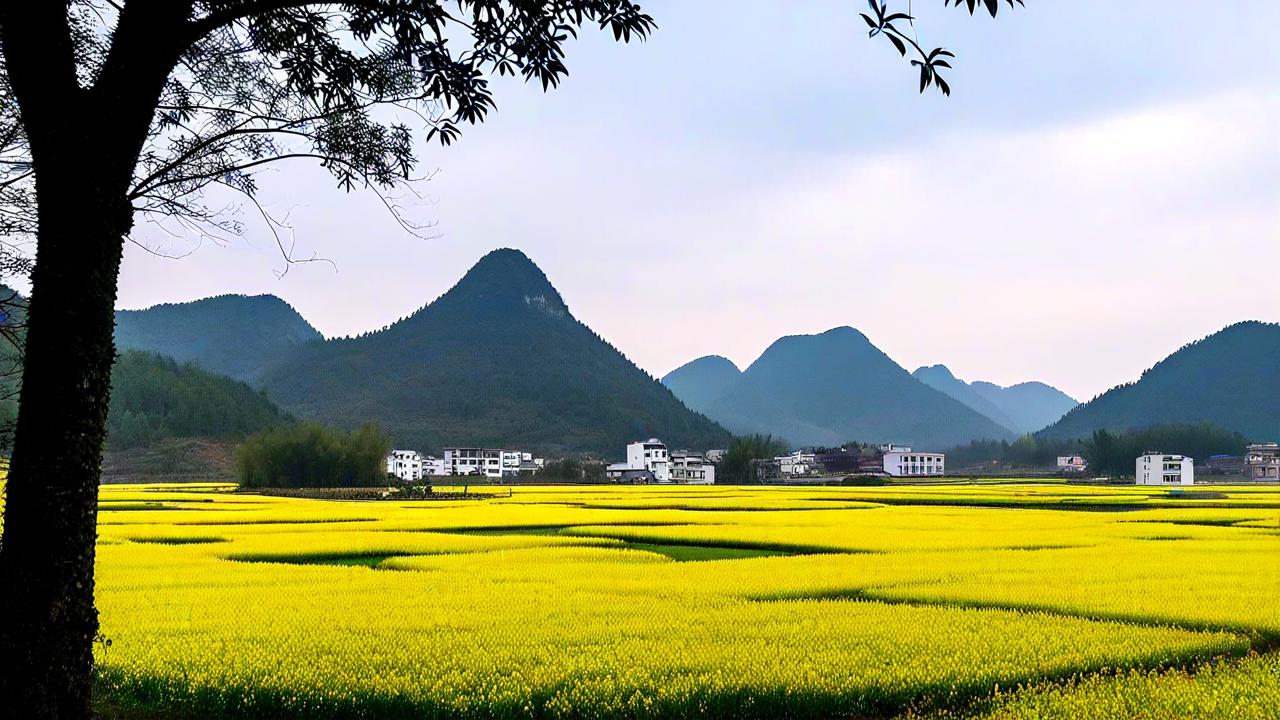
<point>311,455</point>
<point>1108,453</point>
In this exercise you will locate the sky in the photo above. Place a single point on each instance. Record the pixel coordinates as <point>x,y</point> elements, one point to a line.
<point>1102,187</point>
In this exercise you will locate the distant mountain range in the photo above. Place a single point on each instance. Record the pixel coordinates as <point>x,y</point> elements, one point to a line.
<point>497,360</point>
<point>1230,379</point>
<point>231,335</point>
<point>829,389</point>
<point>1022,408</point>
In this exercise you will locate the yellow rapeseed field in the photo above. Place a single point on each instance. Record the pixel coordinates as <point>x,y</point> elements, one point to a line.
<point>1013,600</point>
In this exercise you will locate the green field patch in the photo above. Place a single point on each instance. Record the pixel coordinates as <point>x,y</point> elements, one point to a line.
<point>120,506</point>
<point>277,521</point>
<point>698,553</point>
<point>1207,522</point>
<point>180,540</point>
<point>369,560</point>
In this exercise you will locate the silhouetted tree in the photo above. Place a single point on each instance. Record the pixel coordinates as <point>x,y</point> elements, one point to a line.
<point>121,107</point>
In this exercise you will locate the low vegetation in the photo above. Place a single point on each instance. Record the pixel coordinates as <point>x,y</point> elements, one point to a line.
<point>1014,600</point>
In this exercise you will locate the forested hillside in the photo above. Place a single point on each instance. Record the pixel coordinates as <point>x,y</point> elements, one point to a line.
<point>233,335</point>
<point>497,360</point>
<point>155,398</point>
<point>1230,379</point>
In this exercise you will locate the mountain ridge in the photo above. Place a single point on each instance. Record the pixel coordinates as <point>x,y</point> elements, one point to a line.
<point>233,335</point>
<point>1022,408</point>
<point>836,386</point>
<point>1230,378</point>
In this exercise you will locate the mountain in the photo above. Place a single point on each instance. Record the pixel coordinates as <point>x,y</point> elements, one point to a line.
<point>834,387</point>
<point>939,378</point>
<point>497,360</point>
<point>1022,408</point>
<point>698,382</point>
<point>154,398</point>
<point>1031,406</point>
<point>1230,379</point>
<point>233,335</point>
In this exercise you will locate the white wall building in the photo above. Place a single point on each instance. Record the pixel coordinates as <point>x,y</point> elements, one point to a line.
<point>433,466</point>
<point>905,462</point>
<point>405,465</point>
<point>650,461</point>
<point>650,455</point>
<point>489,462</point>
<point>1157,469</point>
<point>1262,462</point>
<point>692,469</point>
<point>797,463</point>
<point>1071,463</point>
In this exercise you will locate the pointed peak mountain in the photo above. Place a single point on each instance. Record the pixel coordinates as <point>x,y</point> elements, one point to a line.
<point>502,280</point>
<point>496,361</point>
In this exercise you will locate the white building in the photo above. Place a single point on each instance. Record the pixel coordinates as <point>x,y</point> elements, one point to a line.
<point>1071,463</point>
<point>692,469</point>
<point>650,455</point>
<point>489,462</point>
<point>433,466</point>
<point>650,461</point>
<point>1157,469</point>
<point>1262,462</point>
<point>905,462</point>
<point>797,463</point>
<point>405,465</point>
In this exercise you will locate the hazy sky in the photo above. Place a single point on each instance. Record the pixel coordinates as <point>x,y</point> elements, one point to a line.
<point>1102,187</point>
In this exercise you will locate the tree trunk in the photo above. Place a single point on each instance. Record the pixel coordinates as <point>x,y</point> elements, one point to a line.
<point>47,617</point>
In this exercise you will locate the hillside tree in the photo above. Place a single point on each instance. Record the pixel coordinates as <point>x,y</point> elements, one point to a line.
<point>115,111</point>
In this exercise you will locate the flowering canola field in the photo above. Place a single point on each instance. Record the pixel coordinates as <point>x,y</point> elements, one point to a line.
<point>1013,600</point>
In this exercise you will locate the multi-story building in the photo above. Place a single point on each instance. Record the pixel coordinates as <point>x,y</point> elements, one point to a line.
<point>650,461</point>
<point>489,462</point>
<point>433,466</point>
<point>800,462</point>
<point>1159,469</point>
<point>1072,464</point>
<point>405,465</point>
<point>905,462</point>
<point>650,455</point>
<point>1262,462</point>
<point>692,469</point>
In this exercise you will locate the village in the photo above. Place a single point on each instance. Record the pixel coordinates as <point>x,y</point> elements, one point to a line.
<point>651,462</point>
